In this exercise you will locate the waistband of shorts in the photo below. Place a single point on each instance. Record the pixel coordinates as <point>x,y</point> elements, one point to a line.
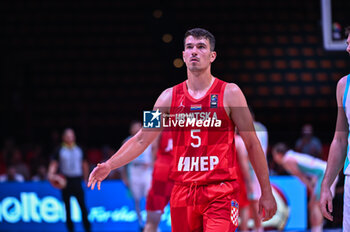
<point>202,183</point>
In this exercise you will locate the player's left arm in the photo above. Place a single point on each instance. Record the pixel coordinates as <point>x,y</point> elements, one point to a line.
<point>132,148</point>
<point>237,108</point>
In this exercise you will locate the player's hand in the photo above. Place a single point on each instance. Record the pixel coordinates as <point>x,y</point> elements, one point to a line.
<point>267,206</point>
<point>326,203</point>
<point>100,172</point>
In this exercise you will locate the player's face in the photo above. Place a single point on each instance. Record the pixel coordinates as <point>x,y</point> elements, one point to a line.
<point>197,55</point>
<point>348,44</point>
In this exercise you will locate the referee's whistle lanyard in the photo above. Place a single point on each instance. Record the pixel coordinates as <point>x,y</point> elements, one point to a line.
<point>194,185</point>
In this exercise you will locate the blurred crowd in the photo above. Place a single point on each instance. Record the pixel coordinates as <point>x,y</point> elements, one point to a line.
<point>30,162</point>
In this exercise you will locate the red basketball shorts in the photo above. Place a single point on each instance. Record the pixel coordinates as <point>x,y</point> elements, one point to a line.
<point>159,194</point>
<point>208,208</point>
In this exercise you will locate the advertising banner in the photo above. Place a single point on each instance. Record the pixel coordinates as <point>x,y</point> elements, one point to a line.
<point>37,206</point>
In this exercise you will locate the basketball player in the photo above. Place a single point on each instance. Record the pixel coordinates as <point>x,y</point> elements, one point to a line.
<point>204,196</point>
<point>310,170</point>
<point>339,151</point>
<point>159,194</point>
<point>137,175</point>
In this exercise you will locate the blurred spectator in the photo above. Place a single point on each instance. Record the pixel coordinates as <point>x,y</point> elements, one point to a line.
<point>2,164</point>
<point>8,150</point>
<point>55,141</point>
<point>41,174</point>
<point>12,156</point>
<point>11,175</point>
<point>94,156</point>
<point>35,158</point>
<point>19,165</point>
<point>308,143</point>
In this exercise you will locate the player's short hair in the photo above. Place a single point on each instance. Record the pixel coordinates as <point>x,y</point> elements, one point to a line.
<point>347,31</point>
<point>280,148</point>
<point>199,33</point>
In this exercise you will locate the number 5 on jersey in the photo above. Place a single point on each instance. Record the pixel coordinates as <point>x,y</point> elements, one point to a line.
<point>197,140</point>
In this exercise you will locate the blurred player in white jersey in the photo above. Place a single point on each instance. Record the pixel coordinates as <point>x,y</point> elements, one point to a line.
<point>310,171</point>
<point>137,175</point>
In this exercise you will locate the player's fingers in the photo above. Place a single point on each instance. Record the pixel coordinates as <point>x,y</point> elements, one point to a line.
<point>329,209</point>
<point>91,176</point>
<point>327,215</point>
<point>269,211</point>
<point>324,209</point>
<point>91,179</point>
<point>330,205</point>
<point>267,214</point>
<point>93,184</point>
<point>323,206</point>
<point>99,185</point>
<point>89,183</point>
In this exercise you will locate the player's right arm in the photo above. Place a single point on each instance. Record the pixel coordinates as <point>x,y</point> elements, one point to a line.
<point>133,147</point>
<point>243,160</point>
<point>337,153</point>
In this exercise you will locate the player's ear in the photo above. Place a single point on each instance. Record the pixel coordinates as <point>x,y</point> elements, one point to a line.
<point>212,56</point>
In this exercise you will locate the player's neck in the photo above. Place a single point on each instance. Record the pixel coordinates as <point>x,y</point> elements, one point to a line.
<point>198,81</point>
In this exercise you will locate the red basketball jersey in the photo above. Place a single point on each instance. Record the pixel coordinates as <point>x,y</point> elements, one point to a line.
<point>165,149</point>
<point>159,194</point>
<point>203,136</point>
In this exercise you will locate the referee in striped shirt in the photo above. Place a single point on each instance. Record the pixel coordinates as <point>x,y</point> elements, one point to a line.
<point>71,163</point>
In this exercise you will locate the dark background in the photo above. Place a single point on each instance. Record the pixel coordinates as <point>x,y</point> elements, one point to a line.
<point>96,65</point>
